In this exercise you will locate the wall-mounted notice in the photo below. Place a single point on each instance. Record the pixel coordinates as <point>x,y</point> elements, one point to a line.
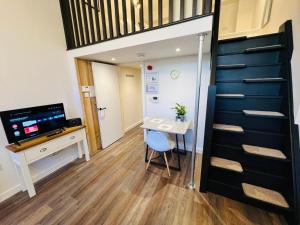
<point>152,83</point>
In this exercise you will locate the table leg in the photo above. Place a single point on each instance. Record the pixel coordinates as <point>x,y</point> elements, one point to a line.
<point>178,153</point>
<point>27,176</point>
<point>79,146</point>
<point>184,144</point>
<point>146,154</point>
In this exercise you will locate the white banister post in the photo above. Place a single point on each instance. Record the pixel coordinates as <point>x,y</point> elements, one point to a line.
<point>191,184</point>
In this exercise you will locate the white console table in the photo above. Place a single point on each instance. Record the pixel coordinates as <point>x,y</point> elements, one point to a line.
<point>31,151</point>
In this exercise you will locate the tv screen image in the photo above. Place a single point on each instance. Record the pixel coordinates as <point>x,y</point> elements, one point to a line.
<point>21,124</point>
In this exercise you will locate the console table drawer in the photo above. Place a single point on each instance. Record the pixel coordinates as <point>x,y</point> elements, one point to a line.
<point>70,138</point>
<point>52,146</point>
<point>40,151</point>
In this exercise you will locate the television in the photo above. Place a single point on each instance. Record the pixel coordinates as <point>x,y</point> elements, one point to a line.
<point>27,123</point>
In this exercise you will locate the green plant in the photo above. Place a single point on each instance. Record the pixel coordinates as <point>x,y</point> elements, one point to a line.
<point>179,109</point>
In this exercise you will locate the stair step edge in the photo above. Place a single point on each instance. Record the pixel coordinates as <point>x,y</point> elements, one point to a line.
<point>265,195</point>
<point>262,151</point>
<point>263,113</point>
<point>226,164</point>
<point>230,128</point>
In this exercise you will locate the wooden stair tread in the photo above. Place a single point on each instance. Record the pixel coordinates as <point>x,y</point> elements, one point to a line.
<point>231,66</point>
<point>264,48</point>
<point>269,152</point>
<point>230,95</point>
<point>265,195</point>
<point>226,164</point>
<point>226,127</point>
<point>254,80</point>
<point>263,113</point>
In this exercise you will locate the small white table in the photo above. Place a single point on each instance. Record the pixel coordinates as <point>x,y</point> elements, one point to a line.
<point>168,126</point>
<point>31,151</point>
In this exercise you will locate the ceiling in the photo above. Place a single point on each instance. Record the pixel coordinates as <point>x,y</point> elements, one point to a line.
<point>131,56</point>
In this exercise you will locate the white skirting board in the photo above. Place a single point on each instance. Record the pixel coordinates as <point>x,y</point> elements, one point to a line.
<point>133,125</point>
<point>14,190</point>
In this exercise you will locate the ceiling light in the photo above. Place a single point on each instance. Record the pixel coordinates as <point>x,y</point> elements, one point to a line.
<point>178,49</point>
<point>113,59</point>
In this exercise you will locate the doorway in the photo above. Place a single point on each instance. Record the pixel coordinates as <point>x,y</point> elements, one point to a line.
<point>111,97</point>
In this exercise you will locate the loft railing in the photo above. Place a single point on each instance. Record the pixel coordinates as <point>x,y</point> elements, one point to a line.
<point>88,22</point>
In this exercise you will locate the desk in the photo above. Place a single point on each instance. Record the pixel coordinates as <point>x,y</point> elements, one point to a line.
<point>31,151</point>
<point>168,126</point>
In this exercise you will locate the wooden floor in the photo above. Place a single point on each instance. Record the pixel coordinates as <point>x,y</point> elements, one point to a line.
<point>114,188</point>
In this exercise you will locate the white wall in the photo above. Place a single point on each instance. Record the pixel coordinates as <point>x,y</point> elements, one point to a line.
<point>131,97</point>
<point>34,71</point>
<point>282,11</point>
<point>182,90</point>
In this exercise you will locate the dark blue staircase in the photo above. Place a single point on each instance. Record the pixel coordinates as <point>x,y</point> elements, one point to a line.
<point>251,147</point>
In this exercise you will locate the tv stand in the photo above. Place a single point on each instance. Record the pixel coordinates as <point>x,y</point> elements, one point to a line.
<point>43,146</point>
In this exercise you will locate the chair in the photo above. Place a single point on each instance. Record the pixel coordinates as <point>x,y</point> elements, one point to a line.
<point>159,142</point>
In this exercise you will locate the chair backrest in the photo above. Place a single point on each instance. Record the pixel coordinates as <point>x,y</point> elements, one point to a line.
<point>158,141</point>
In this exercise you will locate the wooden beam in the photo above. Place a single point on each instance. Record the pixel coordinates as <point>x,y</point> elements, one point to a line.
<point>74,19</point>
<point>160,12</point>
<point>97,20</point>
<point>117,18</point>
<point>171,18</point>
<point>150,13</point>
<point>110,24</point>
<point>124,17</point>
<point>132,13</point>
<point>90,10</point>
<point>103,19</point>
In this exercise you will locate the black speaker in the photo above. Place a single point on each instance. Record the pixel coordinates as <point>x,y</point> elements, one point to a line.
<point>74,122</point>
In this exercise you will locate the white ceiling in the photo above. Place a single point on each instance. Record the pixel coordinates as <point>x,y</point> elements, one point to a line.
<point>156,50</point>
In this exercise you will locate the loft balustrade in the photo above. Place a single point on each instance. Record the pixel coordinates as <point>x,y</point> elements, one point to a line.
<point>88,22</point>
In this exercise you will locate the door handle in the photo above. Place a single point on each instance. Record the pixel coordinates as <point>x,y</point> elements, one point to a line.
<point>100,109</point>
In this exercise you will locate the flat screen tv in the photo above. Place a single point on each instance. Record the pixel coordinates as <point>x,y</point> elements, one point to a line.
<point>22,124</point>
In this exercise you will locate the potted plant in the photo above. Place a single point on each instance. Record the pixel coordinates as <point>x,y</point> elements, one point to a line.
<point>180,112</point>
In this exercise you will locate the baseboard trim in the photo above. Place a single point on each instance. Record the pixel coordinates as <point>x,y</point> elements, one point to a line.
<point>14,190</point>
<point>10,192</point>
<point>133,126</point>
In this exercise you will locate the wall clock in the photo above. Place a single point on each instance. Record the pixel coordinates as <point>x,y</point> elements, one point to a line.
<point>174,74</point>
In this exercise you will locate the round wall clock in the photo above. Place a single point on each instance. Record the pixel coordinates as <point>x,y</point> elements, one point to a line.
<point>174,74</point>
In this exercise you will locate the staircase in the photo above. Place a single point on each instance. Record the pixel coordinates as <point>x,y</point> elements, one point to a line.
<point>251,149</point>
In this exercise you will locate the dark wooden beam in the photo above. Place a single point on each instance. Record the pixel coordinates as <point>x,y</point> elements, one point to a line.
<point>96,11</point>
<point>80,22</point>
<point>85,22</point>
<point>124,17</point>
<point>103,21</point>
<point>118,32</point>
<point>171,11</point>
<point>132,12</point>
<point>142,15</point>
<point>91,19</point>
<point>194,8</point>
<point>67,22</point>
<point>207,7</point>
<point>181,9</point>
<point>160,12</point>
<point>110,23</point>
<point>74,19</point>
<point>150,13</point>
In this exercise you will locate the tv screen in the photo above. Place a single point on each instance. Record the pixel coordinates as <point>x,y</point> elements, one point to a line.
<point>21,124</point>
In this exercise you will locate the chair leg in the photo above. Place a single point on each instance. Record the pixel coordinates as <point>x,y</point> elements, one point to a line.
<point>167,164</point>
<point>150,159</point>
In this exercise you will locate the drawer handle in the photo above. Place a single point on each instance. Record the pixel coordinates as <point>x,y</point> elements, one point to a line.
<point>72,137</point>
<point>43,149</point>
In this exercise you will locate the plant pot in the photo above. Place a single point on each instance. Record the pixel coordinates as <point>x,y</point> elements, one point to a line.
<point>180,118</point>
